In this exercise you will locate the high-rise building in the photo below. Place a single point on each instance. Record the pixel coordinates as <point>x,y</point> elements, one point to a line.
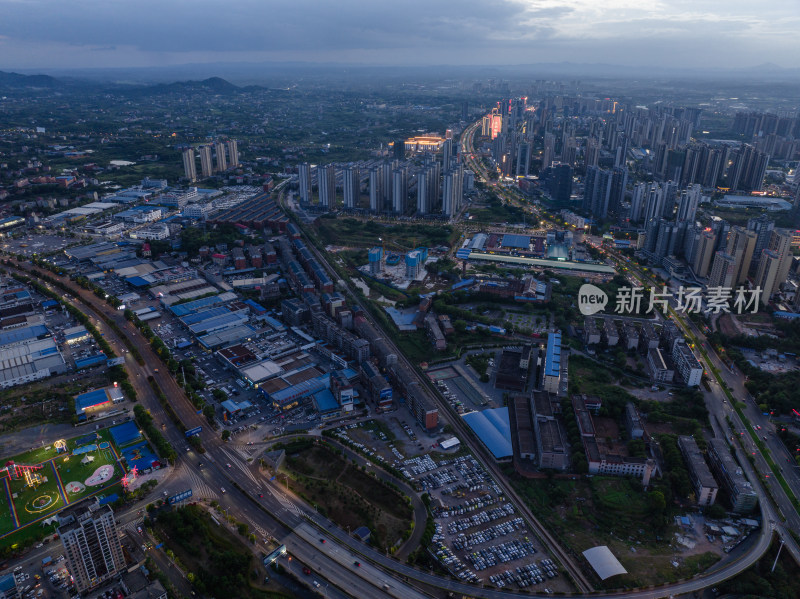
<point>596,192</point>
<point>650,235</point>
<point>723,271</point>
<point>388,184</point>
<point>549,153</point>
<point>688,202</point>
<point>399,190</point>
<point>670,195</point>
<point>741,244</point>
<point>189,166</point>
<point>447,152</point>
<point>721,228</point>
<point>222,163</point>
<point>423,201</point>
<point>619,182</point>
<point>233,152</point>
<point>691,242</point>
<point>665,242</point>
<point>621,153</point>
<point>206,166</point>
<point>780,242</point>
<point>375,189</point>
<point>704,253</point>
<point>591,155</point>
<point>91,544</point>
<point>747,169</point>
<point>569,151</point>
<point>654,203</point>
<point>523,159</point>
<point>638,197</point>
<point>304,180</point>
<point>767,274</point>
<point>351,186</point>
<point>561,184</point>
<point>326,181</point>
<point>452,192</point>
<point>762,226</point>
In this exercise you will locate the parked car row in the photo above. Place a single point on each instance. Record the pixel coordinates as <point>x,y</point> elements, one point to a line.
<point>467,542</point>
<point>480,518</point>
<point>500,554</point>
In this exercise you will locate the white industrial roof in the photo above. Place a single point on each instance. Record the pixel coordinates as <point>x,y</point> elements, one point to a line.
<point>448,443</point>
<point>261,371</point>
<point>604,562</point>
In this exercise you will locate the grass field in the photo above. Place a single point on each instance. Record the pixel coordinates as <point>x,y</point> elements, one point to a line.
<point>6,519</point>
<point>348,496</point>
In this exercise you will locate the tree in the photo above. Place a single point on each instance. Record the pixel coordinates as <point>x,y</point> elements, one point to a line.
<point>656,502</point>
<point>716,512</point>
<point>460,326</point>
<point>226,434</point>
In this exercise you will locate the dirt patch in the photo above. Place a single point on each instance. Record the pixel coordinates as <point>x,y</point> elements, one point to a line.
<point>49,400</point>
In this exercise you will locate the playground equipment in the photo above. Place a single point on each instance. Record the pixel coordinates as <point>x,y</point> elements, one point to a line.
<point>129,477</point>
<point>60,446</point>
<point>26,471</point>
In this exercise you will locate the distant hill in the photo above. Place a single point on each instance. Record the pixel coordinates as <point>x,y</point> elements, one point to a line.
<point>15,80</point>
<point>213,85</point>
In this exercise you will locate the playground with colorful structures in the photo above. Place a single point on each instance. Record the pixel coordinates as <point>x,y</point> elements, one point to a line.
<point>39,483</point>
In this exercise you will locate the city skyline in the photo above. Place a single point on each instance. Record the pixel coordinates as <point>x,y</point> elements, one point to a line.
<point>665,34</point>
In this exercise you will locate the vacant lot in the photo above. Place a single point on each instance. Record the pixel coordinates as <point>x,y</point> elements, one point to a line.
<point>356,233</point>
<point>347,495</point>
<point>615,512</point>
<point>50,400</point>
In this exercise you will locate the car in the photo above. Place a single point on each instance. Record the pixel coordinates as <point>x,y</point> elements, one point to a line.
<point>228,465</point>
<point>222,489</point>
<point>306,571</point>
<point>322,541</point>
<point>316,584</point>
<point>261,495</point>
<point>357,564</point>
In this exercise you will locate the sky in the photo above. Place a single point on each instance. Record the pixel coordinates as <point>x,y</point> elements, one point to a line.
<point>642,33</point>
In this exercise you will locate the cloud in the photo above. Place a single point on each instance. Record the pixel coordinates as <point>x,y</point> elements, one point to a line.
<point>397,31</point>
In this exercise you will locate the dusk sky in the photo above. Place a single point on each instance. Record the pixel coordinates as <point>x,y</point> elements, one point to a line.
<point>673,33</point>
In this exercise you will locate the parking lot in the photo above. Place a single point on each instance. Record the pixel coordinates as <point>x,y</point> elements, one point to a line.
<point>479,536</point>
<point>40,244</point>
<point>43,580</point>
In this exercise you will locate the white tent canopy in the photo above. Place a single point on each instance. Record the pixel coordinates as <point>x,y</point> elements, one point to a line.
<point>604,562</point>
